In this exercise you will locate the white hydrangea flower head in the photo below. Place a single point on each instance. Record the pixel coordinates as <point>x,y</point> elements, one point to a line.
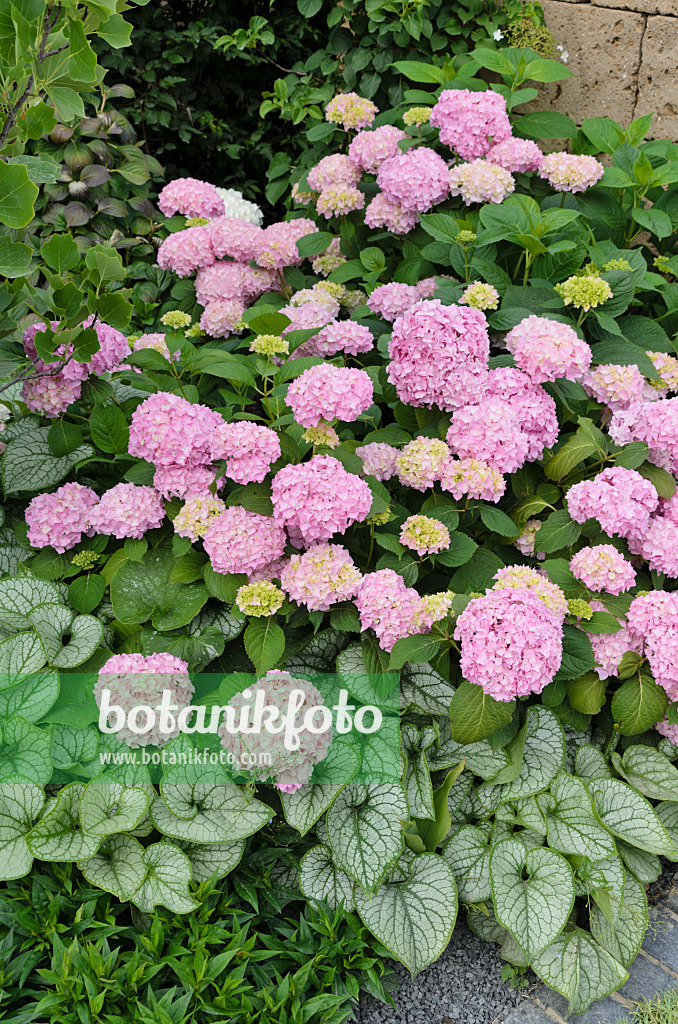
<point>242,209</point>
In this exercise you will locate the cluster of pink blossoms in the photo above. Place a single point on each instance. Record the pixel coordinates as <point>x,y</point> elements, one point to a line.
<point>439,355</point>
<point>383,212</point>
<point>230,236</point>
<point>659,545</point>
<point>533,407</point>
<point>481,182</point>
<point>196,515</point>
<point>291,768</point>
<point>135,680</point>
<point>491,432</point>
<point>603,568</point>
<point>610,648</point>
<point>192,197</point>
<point>369,149</point>
<point>546,349</point>
<point>521,577</point>
<point>516,155</point>
<point>511,643</point>
<point>127,510</point>
<point>351,111</point>
<point>392,300</point>
<point>656,423</point>
<point>231,279</point>
<point>620,499</point>
<point>378,459</point>
<point>60,520</point>
<point>566,172</point>
<point>316,499</point>
<point>335,169</point>
<point>415,180</point>
<point>322,576</point>
<point>653,620</point>
<point>472,478</point>
<point>342,336</point>
<point>327,392</point>
<point>250,450</point>
<point>387,606</point>
<point>471,123</point>
<point>242,541</point>
<point>664,728</point>
<point>421,462</point>
<point>617,386</point>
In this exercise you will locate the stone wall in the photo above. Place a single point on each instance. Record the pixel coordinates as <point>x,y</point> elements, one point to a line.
<point>624,58</point>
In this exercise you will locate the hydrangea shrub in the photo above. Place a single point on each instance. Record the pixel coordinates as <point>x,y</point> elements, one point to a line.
<point>431,434</point>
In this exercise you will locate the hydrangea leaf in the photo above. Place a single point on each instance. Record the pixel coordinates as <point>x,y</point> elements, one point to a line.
<point>414,916</point>
<point>107,807</point>
<point>53,622</point>
<point>118,866</point>
<point>624,938</point>
<point>474,715</point>
<point>19,656</point>
<point>204,813</point>
<point>142,590</point>
<point>486,927</point>
<point>629,815</point>
<point>59,835</point>
<point>648,771</point>
<point>210,858</point>
<point>533,893</point>
<point>364,830</point>
<point>31,698</point>
<point>167,874</point>
<point>425,690</point>
<point>468,854</point>
<point>580,969</point>
<point>543,755</point>
<point>28,460</point>
<point>25,751</point>
<point>20,804</point>
<point>322,879</point>
<point>570,820</point>
<point>19,596</point>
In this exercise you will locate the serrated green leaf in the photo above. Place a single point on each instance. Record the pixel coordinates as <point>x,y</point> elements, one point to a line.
<point>474,715</point>
<point>638,704</point>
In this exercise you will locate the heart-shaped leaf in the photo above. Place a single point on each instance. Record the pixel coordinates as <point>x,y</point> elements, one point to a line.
<point>118,866</point>
<point>580,969</point>
<point>571,822</point>
<point>629,815</point>
<point>364,830</point>
<point>108,807</point>
<point>20,804</point>
<point>59,834</point>
<point>468,854</point>
<point>167,874</point>
<point>212,858</point>
<point>322,879</point>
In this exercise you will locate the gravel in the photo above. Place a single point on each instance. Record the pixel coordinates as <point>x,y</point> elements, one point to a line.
<point>463,987</point>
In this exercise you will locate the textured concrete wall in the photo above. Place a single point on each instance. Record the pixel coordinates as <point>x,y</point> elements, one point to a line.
<point>624,55</point>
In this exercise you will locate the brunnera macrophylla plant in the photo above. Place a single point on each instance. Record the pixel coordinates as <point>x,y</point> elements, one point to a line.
<point>425,428</point>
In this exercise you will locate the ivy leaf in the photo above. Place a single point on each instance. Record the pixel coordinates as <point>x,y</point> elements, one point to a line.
<point>414,914</point>
<point>322,879</point>
<point>20,804</point>
<point>533,893</point>
<point>167,874</point>
<point>364,830</point>
<point>580,969</point>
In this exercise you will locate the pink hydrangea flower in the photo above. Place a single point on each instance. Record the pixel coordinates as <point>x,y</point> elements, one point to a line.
<point>387,606</point>
<point>511,643</point>
<point>317,297</point>
<point>382,212</point>
<point>378,459</point>
<point>471,123</point>
<point>59,520</point>
<point>620,499</point>
<point>242,541</point>
<point>567,172</point>
<point>473,478</point>
<point>339,199</point>
<point>250,449</point>
<point>664,728</point>
<point>610,648</point>
<point>197,514</point>
<point>424,535</point>
<point>653,620</point>
<point>481,182</point>
<point>522,577</point>
<point>530,403</point>
<point>526,539</point>
<point>127,510</point>
<point>170,431</point>
<point>616,386</point>
<point>421,462</point>
<point>278,243</point>
<point>516,155</point>
<point>344,336</point>
<point>229,279</point>
<point>602,567</point>
<point>351,111</point>
<point>156,342</point>
<point>415,180</point>
<point>316,499</point>
<point>327,392</point>
<point>321,577</point>
<point>546,349</point>
<point>192,197</point>
<point>659,546</point>
<point>369,149</point>
<point>135,680</point>
<point>335,169</point>
<point>50,396</point>
<point>489,431</point>
<point>28,336</point>
<point>310,314</point>
<point>186,251</point>
<point>291,769</point>
<point>392,300</point>
<point>439,355</point>
<point>219,319</point>
<point>182,481</point>
<point>667,369</point>
<point>656,423</point>
<point>230,236</point>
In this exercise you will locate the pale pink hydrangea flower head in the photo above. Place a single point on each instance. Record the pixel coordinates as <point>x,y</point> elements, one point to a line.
<point>491,432</point>
<point>321,577</point>
<point>250,449</point>
<point>392,300</point>
<point>415,180</point>
<point>327,392</point>
<point>186,251</point>
<point>382,212</point>
<point>168,430</point>
<point>472,478</point>
<point>277,246</point>
<point>222,318</point>
<point>230,279</point>
<point>128,510</point>
<point>175,481</point>
<point>424,535</point>
<point>191,197</point>
<point>664,728</point>
<point>422,462</point>
<point>378,459</point>
<point>369,149</point>
<point>197,514</point>
<point>387,606</point>
<point>620,499</point>
<point>344,336</point>
<point>316,499</point>
<point>50,396</point>
<point>534,408</point>
<point>338,200</point>
<point>547,349</point>
<point>230,236</point>
<point>136,680</point>
<point>513,155</point>
<point>616,386</point>
<point>602,567</point>
<point>242,541</point>
<point>59,520</point>
<point>481,182</point>
<point>524,578</point>
<point>567,172</point>
<point>471,123</point>
<point>659,546</point>
<point>333,170</point>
